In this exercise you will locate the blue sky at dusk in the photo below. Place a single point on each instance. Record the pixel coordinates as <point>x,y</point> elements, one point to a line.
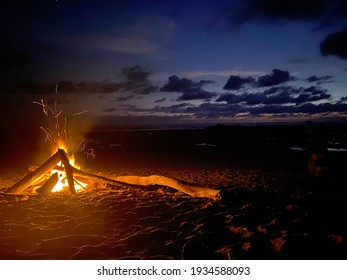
<point>178,61</point>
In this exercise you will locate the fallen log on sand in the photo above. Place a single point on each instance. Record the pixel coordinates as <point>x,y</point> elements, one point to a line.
<point>193,190</point>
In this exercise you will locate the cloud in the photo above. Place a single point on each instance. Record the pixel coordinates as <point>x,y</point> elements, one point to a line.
<point>275,78</point>
<point>196,95</point>
<point>176,84</point>
<point>136,74</point>
<point>322,11</point>
<point>124,98</point>
<point>174,108</point>
<point>294,9</point>
<point>236,82</point>
<point>137,80</point>
<point>245,98</point>
<point>276,95</point>
<point>213,111</point>
<point>315,90</point>
<point>304,98</point>
<point>322,79</point>
<point>190,90</point>
<point>335,44</point>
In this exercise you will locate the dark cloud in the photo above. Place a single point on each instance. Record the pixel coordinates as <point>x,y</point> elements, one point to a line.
<point>136,75</point>
<point>275,78</point>
<point>190,90</point>
<point>283,97</point>
<point>128,106</point>
<point>303,98</point>
<point>276,95</point>
<point>231,98</point>
<point>124,98</point>
<point>322,108</point>
<point>197,94</point>
<point>245,98</point>
<point>282,102</point>
<point>315,90</point>
<point>236,82</point>
<point>174,108</point>
<point>274,90</point>
<point>335,44</point>
<point>137,80</point>
<point>212,110</point>
<point>175,84</point>
<point>325,12</point>
<point>181,105</point>
<point>294,9</point>
<point>322,79</point>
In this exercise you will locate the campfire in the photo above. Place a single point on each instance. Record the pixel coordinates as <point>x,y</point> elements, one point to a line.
<point>60,172</point>
<point>55,174</point>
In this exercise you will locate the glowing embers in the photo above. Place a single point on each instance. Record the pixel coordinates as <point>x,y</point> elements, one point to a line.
<point>62,182</point>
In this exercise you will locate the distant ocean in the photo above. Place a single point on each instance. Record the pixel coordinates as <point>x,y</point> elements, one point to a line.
<point>292,137</point>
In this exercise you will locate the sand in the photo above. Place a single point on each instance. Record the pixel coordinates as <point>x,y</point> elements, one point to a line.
<point>270,207</point>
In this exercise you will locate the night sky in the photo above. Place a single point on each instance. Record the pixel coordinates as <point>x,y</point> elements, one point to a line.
<point>167,62</point>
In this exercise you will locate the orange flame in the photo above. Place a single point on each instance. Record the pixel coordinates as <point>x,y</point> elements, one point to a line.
<point>62,181</point>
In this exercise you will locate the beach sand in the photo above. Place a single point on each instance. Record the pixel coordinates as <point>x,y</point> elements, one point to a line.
<point>270,207</point>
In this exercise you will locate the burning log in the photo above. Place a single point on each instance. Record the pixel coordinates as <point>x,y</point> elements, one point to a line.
<point>47,187</point>
<point>36,175</point>
<point>68,171</point>
<point>43,170</point>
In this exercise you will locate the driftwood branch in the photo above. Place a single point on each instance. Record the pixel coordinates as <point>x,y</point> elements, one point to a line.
<point>193,190</point>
